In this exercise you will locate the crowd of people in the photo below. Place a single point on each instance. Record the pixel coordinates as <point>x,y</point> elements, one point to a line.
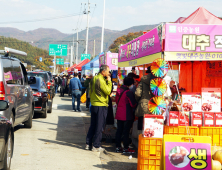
<point>131,98</point>
<point>131,102</point>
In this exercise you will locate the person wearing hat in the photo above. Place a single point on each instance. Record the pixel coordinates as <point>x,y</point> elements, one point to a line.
<point>143,95</point>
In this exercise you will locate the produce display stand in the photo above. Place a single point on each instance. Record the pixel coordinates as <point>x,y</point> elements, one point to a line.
<point>198,46</point>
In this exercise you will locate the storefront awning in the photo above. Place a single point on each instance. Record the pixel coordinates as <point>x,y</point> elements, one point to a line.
<point>140,61</point>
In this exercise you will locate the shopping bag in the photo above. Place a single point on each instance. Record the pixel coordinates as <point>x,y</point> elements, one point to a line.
<point>83,98</point>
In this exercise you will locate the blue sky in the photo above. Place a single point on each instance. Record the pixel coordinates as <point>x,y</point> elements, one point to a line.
<point>120,14</point>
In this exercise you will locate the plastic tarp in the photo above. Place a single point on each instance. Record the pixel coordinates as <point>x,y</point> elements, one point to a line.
<point>82,63</point>
<point>202,16</point>
<point>95,62</point>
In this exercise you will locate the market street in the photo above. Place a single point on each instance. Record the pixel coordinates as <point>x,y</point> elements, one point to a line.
<point>56,142</point>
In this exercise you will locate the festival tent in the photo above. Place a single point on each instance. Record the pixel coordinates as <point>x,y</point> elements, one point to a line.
<point>180,20</point>
<point>94,65</point>
<point>71,68</point>
<point>202,16</point>
<point>82,63</point>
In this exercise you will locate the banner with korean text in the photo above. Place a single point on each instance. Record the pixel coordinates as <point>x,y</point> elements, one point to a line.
<point>193,38</point>
<point>140,47</point>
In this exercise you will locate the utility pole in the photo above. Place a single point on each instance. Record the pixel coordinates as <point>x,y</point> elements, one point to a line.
<point>87,28</point>
<point>71,56</point>
<point>94,49</point>
<point>54,63</point>
<point>72,50</point>
<point>77,43</point>
<point>102,37</point>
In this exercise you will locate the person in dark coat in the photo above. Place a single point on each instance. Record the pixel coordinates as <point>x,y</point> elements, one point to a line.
<point>125,101</point>
<point>63,85</point>
<point>110,117</point>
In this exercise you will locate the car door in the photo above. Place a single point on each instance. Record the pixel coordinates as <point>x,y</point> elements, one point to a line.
<point>28,98</point>
<point>17,75</point>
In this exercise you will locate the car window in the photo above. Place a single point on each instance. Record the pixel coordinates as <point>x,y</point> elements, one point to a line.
<point>43,85</point>
<point>38,74</point>
<point>8,69</point>
<point>17,73</point>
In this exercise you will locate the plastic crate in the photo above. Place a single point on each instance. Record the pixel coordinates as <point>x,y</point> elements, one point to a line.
<point>150,147</point>
<point>181,130</point>
<point>214,132</point>
<point>148,164</point>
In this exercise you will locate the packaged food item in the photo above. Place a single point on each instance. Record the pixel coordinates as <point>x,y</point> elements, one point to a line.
<point>191,102</point>
<point>218,119</point>
<point>208,119</point>
<point>184,119</point>
<point>196,119</point>
<point>211,99</point>
<point>153,126</point>
<point>173,118</point>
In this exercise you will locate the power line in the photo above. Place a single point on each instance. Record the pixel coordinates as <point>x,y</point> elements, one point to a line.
<point>79,15</point>
<point>43,19</point>
<point>92,14</point>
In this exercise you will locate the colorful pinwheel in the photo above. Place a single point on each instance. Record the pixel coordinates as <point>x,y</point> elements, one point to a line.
<point>156,105</point>
<point>159,67</point>
<point>158,86</point>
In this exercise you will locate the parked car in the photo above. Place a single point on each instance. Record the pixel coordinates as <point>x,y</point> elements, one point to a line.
<point>7,138</point>
<point>15,89</point>
<point>44,75</point>
<point>50,83</point>
<point>40,93</point>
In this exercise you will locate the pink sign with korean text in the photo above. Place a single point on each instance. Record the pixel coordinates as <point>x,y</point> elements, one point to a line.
<point>112,60</point>
<point>193,38</point>
<point>142,46</point>
<point>187,156</point>
<point>102,59</point>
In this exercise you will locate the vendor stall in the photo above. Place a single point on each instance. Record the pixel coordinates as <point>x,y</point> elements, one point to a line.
<point>182,131</point>
<point>79,66</point>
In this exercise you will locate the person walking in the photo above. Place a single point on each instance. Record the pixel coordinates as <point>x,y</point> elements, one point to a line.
<point>86,84</point>
<point>57,82</point>
<point>126,103</point>
<point>83,79</point>
<point>143,95</point>
<point>100,89</point>
<point>76,87</point>
<point>63,86</point>
<point>68,82</point>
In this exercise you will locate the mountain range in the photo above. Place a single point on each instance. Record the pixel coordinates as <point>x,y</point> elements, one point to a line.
<point>42,37</point>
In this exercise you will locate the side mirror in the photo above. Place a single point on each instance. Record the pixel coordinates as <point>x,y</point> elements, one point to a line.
<point>4,105</point>
<point>32,80</point>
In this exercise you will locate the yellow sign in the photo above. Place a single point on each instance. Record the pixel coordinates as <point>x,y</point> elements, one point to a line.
<point>140,61</point>
<point>67,68</point>
<point>192,56</point>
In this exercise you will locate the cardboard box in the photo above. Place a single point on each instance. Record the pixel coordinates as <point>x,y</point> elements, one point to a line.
<point>197,119</point>
<point>184,119</point>
<point>208,119</point>
<point>153,126</point>
<point>218,119</point>
<point>191,102</point>
<point>211,99</point>
<point>173,118</point>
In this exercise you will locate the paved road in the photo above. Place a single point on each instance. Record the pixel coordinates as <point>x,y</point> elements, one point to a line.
<point>56,142</point>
